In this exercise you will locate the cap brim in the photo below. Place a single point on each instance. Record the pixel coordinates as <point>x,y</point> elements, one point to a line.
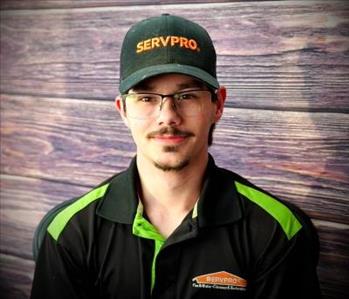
<point>151,71</point>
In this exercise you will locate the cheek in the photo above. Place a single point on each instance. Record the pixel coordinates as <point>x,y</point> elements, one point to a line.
<point>203,124</point>
<point>210,116</point>
<point>210,113</point>
<point>139,129</point>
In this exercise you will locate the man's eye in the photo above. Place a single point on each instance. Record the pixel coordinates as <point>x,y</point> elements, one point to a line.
<point>146,98</point>
<point>187,96</point>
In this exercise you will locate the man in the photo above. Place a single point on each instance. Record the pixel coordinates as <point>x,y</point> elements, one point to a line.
<point>174,225</point>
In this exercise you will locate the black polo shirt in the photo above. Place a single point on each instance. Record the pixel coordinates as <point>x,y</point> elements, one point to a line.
<point>238,242</point>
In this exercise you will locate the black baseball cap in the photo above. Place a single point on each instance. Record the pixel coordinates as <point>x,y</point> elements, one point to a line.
<point>166,44</point>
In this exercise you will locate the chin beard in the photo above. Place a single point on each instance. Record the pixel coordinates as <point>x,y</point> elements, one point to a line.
<point>167,167</point>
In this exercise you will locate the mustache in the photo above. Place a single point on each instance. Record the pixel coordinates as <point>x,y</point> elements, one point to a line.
<point>170,131</point>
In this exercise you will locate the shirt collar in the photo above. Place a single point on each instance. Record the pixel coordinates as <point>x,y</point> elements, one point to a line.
<point>121,200</point>
<point>218,203</point>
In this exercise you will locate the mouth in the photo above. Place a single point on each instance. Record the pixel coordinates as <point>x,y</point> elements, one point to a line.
<point>170,135</point>
<point>170,138</point>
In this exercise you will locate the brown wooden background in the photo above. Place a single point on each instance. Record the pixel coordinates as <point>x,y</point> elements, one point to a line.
<point>286,123</point>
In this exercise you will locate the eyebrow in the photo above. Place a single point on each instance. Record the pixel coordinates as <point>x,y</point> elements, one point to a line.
<point>147,86</point>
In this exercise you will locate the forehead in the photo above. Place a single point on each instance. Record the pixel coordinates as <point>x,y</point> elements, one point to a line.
<point>169,81</point>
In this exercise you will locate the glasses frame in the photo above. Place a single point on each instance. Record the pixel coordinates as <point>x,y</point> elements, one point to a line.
<point>174,96</point>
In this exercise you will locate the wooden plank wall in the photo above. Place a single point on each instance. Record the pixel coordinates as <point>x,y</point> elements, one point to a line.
<point>286,122</point>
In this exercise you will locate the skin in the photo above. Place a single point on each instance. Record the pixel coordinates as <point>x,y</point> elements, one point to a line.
<point>172,151</point>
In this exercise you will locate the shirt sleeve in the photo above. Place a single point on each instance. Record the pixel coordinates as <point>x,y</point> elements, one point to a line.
<point>288,269</point>
<point>59,274</point>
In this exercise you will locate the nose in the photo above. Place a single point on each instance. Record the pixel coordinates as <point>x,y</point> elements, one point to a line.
<point>168,114</point>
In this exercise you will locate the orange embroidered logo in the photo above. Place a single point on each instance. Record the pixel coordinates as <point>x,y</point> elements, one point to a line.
<point>220,280</point>
<point>167,41</point>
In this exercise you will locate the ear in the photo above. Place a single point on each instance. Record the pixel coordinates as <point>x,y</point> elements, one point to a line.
<point>221,96</point>
<point>119,105</point>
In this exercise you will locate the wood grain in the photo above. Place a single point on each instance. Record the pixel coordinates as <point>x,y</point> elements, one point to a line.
<point>44,4</point>
<point>334,261</point>
<point>288,55</point>
<point>26,200</point>
<point>285,126</point>
<point>298,156</point>
<point>16,275</point>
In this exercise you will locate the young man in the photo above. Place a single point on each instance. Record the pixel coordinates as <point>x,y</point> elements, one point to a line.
<point>174,225</point>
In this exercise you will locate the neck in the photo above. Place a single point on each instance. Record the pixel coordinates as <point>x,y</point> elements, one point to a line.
<point>168,196</point>
<point>174,187</point>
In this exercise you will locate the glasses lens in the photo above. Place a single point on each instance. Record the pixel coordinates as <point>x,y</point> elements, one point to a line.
<point>189,103</point>
<point>142,105</point>
<point>145,105</point>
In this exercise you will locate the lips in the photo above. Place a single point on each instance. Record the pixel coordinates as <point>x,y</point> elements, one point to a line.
<point>170,138</point>
<point>170,134</point>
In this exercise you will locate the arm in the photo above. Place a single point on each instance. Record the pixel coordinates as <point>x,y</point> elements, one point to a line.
<point>58,274</point>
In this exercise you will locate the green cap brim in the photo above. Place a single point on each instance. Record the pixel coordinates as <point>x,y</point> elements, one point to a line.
<point>151,71</point>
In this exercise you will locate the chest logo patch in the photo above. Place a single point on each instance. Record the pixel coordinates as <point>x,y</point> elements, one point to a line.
<point>220,280</point>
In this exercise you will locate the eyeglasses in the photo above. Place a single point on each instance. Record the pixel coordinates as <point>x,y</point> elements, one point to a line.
<point>146,105</point>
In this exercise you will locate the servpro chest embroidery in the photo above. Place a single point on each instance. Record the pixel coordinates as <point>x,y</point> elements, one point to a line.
<point>220,280</point>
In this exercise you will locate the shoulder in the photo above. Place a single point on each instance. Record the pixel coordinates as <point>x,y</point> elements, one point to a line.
<point>74,221</point>
<point>70,211</point>
<point>67,211</point>
<point>277,211</point>
<point>274,227</point>
<point>265,211</point>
